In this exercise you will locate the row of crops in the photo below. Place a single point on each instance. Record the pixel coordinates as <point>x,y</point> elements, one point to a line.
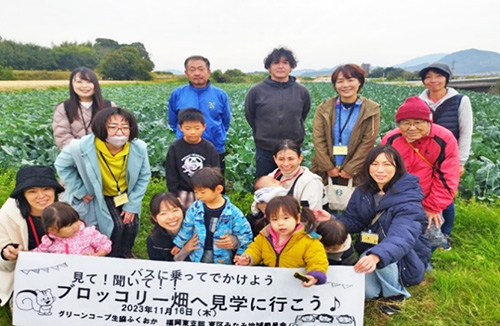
<point>26,133</point>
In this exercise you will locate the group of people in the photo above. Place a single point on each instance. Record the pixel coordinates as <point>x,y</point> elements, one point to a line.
<point>404,187</point>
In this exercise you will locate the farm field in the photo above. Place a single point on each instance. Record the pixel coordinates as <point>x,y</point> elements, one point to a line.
<point>461,290</point>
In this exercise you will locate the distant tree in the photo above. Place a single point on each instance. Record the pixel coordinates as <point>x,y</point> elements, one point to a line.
<point>26,56</point>
<point>218,76</point>
<point>72,55</point>
<point>125,64</point>
<point>142,50</point>
<point>106,43</point>
<point>6,73</point>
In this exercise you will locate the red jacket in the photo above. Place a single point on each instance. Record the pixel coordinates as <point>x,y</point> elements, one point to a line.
<point>440,182</point>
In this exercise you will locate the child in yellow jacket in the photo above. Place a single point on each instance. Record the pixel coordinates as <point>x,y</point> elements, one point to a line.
<point>288,241</point>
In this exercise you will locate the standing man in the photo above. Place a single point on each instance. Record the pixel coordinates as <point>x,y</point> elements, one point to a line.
<point>276,109</point>
<point>202,95</point>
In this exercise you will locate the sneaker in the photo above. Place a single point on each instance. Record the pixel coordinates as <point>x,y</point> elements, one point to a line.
<point>446,245</point>
<point>392,305</point>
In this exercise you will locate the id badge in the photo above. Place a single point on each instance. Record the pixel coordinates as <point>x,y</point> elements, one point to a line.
<point>120,199</point>
<point>370,238</point>
<point>339,150</point>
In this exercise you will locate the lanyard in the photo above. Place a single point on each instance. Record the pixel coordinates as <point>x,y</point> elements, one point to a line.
<point>119,176</point>
<point>83,120</point>
<point>33,229</point>
<point>341,129</point>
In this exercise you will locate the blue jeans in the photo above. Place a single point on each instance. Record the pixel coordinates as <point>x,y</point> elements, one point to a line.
<point>385,282</point>
<point>264,162</point>
<point>449,219</point>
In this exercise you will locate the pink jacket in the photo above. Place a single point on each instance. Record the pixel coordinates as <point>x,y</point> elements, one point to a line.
<point>440,182</point>
<point>86,242</point>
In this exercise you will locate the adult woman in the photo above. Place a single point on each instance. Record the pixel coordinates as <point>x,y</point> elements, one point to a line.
<point>73,117</point>
<point>386,209</point>
<point>345,128</point>
<point>453,111</point>
<point>20,219</point>
<point>301,183</point>
<point>106,174</point>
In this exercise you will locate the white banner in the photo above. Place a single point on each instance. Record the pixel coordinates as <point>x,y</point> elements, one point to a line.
<point>54,289</point>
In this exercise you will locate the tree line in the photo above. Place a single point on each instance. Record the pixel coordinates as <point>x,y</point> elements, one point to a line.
<point>109,58</point>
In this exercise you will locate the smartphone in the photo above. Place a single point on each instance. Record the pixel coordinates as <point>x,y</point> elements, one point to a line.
<point>301,277</point>
<point>15,245</point>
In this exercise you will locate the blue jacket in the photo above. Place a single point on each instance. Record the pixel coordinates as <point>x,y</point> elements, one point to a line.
<point>210,100</point>
<point>403,223</point>
<point>232,222</point>
<point>78,167</point>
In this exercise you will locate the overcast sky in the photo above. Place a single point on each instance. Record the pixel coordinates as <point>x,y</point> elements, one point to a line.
<point>239,34</point>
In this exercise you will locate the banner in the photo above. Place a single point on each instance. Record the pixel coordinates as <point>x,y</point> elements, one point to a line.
<point>54,289</point>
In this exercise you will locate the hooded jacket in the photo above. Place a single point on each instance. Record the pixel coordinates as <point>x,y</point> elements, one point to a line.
<point>301,250</point>
<point>231,221</point>
<point>439,182</point>
<point>212,102</point>
<point>361,141</point>
<point>276,111</point>
<point>402,224</point>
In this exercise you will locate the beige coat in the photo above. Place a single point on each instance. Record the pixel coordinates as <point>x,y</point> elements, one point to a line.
<point>13,229</point>
<point>63,131</point>
<point>361,142</point>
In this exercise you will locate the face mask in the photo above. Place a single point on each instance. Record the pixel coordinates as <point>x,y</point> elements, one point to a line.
<point>117,141</point>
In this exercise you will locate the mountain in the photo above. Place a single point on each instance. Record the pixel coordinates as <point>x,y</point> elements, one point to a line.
<point>313,73</point>
<point>467,62</point>
<point>425,60</point>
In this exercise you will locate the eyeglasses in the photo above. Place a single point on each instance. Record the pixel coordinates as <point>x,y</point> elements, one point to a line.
<point>114,129</point>
<point>406,124</point>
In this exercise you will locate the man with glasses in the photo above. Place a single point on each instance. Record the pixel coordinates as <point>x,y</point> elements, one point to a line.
<point>430,152</point>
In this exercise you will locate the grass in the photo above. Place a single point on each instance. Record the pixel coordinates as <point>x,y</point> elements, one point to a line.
<point>462,289</point>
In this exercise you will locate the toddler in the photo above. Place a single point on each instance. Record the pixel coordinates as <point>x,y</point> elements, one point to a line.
<point>67,234</point>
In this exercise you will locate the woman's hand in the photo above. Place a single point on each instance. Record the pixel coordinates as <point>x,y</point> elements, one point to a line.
<point>175,250</point>
<point>128,217</point>
<point>87,198</point>
<point>191,245</point>
<point>333,172</point>
<point>321,215</point>
<point>10,252</point>
<point>241,260</point>
<point>312,280</point>
<point>367,264</point>
<point>225,242</point>
<point>100,253</point>
<point>345,175</point>
<point>461,170</point>
<point>434,217</point>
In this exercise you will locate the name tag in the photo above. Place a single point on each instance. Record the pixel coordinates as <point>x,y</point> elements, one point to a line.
<point>339,150</point>
<point>120,199</point>
<point>370,238</point>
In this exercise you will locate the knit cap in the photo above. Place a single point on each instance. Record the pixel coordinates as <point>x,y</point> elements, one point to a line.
<point>414,108</point>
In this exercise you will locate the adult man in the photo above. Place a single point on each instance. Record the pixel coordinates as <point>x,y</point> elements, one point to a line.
<point>202,95</point>
<point>276,109</point>
<point>430,152</point>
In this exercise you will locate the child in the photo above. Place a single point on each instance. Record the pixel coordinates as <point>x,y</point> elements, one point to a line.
<point>188,154</point>
<point>286,242</point>
<point>220,226</point>
<point>266,188</point>
<point>337,242</point>
<point>67,234</point>
<point>167,214</point>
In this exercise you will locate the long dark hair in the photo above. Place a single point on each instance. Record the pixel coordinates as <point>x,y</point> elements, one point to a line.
<point>368,184</point>
<point>287,144</point>
<point>291,206</point>
<point>74,101</point>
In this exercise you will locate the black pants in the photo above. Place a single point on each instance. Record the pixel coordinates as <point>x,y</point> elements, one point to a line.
<point>123,235</point>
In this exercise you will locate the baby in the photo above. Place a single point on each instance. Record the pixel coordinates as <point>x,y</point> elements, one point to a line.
<point>337,242</point>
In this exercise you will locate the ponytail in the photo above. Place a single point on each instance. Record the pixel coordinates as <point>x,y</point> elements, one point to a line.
<point>307,218</point>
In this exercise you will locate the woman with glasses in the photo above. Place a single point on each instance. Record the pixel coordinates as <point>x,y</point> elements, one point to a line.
<point>73,117</point>
<point>106,175</point>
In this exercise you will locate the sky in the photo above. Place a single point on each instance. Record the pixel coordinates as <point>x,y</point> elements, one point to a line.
<point>239,34</point>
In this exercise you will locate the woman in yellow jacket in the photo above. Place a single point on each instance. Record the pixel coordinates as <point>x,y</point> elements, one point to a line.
<point>286,241</point>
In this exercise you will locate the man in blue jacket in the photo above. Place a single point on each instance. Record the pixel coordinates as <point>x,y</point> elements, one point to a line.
<point>202,95</point>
